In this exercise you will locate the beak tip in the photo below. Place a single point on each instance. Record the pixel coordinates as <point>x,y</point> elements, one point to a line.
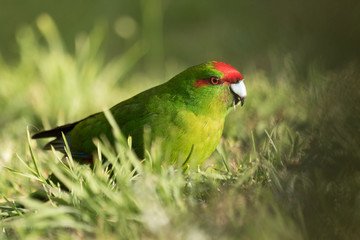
<point>239,100</point>
<point>242,101</point>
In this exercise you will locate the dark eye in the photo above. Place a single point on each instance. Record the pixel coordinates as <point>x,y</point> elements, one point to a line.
<point>215,80</point>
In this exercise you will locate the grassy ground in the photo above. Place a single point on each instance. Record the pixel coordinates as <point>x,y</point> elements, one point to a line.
<point>286,168</point>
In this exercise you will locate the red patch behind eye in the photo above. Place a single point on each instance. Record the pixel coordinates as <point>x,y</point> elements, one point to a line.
<point>231,75</point>
<point>201,82</point>
<point>208,81</point>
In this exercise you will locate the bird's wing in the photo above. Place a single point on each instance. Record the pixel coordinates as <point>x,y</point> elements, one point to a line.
<point>130,116</point>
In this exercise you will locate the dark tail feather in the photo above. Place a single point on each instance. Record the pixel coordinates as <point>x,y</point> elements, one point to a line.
<point>56,132</point>
<point>58,144</point>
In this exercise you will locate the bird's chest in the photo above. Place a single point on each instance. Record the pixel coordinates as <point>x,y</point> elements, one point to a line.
<point>188,136</point>
<point>201,130</point>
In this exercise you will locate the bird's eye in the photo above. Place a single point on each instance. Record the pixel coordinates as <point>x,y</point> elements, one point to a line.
<point>215,80</point>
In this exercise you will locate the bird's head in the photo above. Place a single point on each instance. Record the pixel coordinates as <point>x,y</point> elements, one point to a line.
<point>212,86</point>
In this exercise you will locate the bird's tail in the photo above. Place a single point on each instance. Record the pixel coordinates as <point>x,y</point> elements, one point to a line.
<point>59,143</point>
<point>55,132</point>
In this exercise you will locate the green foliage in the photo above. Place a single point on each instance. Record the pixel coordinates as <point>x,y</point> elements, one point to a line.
<point>286,168</point>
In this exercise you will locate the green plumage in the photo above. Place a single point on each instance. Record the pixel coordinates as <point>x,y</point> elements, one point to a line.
<point>187,119</point>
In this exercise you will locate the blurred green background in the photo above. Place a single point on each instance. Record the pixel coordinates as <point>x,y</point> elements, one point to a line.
<point>289,161</point>
<point>241,32</point>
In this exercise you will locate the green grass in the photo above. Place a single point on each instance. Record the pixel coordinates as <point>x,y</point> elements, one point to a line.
<point>286,168</point>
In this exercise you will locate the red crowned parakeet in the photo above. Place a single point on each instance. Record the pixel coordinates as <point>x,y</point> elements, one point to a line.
<point>186,114</point>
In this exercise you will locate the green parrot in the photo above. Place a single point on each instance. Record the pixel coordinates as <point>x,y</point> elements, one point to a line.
<point>186,115</point>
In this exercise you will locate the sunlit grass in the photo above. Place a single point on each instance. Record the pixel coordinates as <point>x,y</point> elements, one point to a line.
<point>133,199</point>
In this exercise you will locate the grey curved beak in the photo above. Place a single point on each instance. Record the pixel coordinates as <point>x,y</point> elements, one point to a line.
<point>239,91</point>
